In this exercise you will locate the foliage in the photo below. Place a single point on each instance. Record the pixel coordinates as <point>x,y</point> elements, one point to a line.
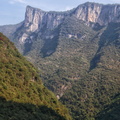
<point>94,95</point>
<point>26,111</point>
<point>112,111</point>
<point>91,94</point>
<point>84,69</point>
<point>21,89</point>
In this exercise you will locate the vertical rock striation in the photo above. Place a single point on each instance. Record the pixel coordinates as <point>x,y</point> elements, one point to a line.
<point>98,13</point>
<point>89,12</point>
<point>36,19</point>
<point>42,22</point>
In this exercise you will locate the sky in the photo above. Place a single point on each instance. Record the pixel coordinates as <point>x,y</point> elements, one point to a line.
<point>13,11</point>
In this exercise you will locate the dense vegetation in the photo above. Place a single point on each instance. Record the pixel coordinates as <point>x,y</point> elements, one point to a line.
<point>84,69</point>
<point>112,111</point>
<point>93,94</point>
<point>96,95</point>
<point>22,94</point>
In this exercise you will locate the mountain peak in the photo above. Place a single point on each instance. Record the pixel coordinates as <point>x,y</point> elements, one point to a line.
<point>33,16</point>
<point>91,12</point>
<point>30,7</point>
<point>89,3</point>
<point>36,18</point>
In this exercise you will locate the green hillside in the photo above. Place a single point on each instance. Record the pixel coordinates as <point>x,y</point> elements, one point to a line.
<point>84,69</point>
<point>96,95</point>
<point>112,111</point>
<point>22,94</point>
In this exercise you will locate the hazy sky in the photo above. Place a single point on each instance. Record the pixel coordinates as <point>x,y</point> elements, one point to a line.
<point>13,11</point>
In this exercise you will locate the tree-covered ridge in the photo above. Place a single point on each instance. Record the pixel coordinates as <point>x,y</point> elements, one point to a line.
<point>22,89</point>
<point>25,111</point>
<point>92,94</point>
<point>97,95</point>
<point>112,111</point>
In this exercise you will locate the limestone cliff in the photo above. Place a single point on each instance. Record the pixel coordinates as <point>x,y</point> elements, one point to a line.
<point>42,22</point>
<point>90,13</point>
<point>98,13</point>
<point>36,19</point>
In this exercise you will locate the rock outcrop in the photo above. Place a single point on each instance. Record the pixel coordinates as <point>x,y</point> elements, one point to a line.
<point>98,13</point>
<point>37,20</point>
<point>91,13</point>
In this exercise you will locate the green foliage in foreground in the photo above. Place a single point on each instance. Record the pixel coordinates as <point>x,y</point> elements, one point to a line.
<point>24,111</point>
<point>22,94</point>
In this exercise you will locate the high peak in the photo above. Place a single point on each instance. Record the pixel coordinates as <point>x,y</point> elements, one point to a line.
<point>95,3</point>
<point>30,7</point>
<point>88,12</point>
<point>85,4</point>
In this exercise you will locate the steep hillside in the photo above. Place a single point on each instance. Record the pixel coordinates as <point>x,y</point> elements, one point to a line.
<point>112,111</point>
<point>22,94</point>
<point>100,87</point>
<point>8,30</point>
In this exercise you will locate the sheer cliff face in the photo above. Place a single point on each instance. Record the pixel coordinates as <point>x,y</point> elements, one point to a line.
<point>89,12</point>
<point>36,19</point>
<point>98,13</point>
<point>109,13</point>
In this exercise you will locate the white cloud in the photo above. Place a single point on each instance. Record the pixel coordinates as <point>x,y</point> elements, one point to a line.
<point>21,1</point>
<point>68,8</point>
<point>18,1</point>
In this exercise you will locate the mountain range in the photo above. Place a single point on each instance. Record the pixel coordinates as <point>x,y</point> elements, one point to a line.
<point>78,55</point>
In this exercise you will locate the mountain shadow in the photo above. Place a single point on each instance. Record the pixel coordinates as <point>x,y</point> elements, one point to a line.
<point>110,36</point>
<point>112,111</point>
<point>10,110</point>
<point>49,47</point>
<point>50,43</point>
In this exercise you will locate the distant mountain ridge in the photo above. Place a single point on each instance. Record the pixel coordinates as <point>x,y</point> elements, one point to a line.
<point>22,94</point>
<point>93,14</point>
